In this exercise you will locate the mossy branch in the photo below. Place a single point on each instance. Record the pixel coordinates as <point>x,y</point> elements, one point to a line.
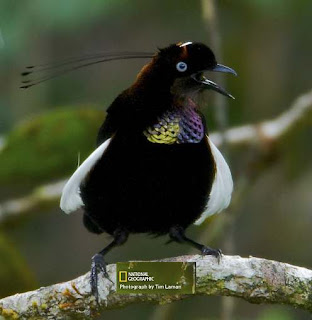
<point>252,279</point>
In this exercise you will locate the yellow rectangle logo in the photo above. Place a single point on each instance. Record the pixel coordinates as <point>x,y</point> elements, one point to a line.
<point>123,276</point>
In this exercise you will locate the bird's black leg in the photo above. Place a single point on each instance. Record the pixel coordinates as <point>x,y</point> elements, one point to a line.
<point>98,263</point>
<point>177,234</point>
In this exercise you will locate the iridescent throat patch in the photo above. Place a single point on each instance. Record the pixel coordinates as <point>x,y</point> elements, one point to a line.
<point>181,125</point>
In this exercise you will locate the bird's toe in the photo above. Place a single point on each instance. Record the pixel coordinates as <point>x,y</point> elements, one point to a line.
<point>98,265</point>
<point>212,252</point>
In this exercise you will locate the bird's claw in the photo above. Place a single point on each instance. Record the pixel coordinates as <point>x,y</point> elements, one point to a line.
<point>97,265</point>
<point>212,252</point>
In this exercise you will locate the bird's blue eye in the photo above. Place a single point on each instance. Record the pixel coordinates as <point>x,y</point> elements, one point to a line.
<point>181,66</point>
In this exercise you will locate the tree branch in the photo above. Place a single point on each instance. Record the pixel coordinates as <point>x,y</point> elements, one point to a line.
<point>253,279</point>
<point>46,195</point>
<point>272,130</point>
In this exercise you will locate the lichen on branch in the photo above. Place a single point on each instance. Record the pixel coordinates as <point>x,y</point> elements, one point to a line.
<point>253,279</point>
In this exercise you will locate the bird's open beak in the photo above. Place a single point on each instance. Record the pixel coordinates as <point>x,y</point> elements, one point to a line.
<point>208,84</point>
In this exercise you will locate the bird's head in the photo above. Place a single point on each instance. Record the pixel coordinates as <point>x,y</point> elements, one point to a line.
<point>179,68</point>
<point>182,66</point>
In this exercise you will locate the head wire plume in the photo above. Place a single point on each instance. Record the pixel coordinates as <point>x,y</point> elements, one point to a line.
<point>52,70</point>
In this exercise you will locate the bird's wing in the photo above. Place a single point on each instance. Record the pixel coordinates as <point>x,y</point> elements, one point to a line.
<point>222,187</point>
<point>71,199</point>
<point>118,113</point>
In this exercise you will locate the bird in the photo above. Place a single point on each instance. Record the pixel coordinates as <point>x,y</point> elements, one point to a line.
<point>154,170</point>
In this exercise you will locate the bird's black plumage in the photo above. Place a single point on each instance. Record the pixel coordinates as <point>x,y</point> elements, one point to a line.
<point>143,187</point>
<point>158,169</point>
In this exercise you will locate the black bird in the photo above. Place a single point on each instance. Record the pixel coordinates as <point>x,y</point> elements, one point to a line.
<point>155,170</point>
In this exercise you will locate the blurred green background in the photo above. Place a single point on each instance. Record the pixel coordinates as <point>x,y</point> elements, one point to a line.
<point>42,130</point>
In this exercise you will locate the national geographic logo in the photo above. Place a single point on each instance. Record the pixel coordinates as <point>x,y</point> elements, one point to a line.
<point>155,277</point>
<point>125,276</point>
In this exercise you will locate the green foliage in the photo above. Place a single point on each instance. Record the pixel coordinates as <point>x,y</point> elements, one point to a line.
<point>72,11</point>
<point>275,314</point>
<point>295,158</point>
<point>47,146</point>
<point>19,18</point>
<point>14,272</point>
<point>277,8</point>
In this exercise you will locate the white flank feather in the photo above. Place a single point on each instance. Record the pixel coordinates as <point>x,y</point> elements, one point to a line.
<point>222,187</point>
<point>71,199</point>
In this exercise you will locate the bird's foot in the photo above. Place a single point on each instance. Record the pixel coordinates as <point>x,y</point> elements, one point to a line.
<point>212,252</point>
<point>97,265</point>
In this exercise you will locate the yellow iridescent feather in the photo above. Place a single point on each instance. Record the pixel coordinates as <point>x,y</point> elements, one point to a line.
<point>165,132</point>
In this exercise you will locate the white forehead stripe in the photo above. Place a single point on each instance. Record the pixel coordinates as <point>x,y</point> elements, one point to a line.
<point>186,44</point>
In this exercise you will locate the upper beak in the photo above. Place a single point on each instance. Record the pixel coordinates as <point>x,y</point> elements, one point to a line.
<point>221,68</point>
<point>199,77</point>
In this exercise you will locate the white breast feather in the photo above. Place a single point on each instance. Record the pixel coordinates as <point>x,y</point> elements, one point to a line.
<point>71,199</point>
<point>221,191</point>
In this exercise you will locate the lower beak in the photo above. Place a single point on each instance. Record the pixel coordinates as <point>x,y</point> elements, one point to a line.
<point>208,84</point>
